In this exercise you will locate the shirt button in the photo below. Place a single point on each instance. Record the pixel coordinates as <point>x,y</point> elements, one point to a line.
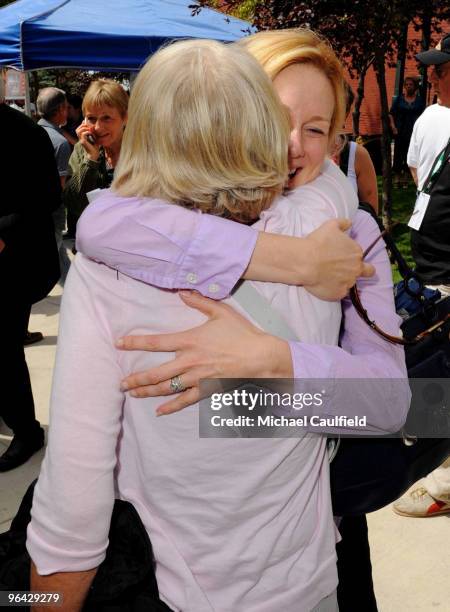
<point>192,278</point>
<point>213,288</point>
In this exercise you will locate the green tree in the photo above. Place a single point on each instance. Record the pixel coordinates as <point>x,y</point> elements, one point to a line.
<point>71,81</point>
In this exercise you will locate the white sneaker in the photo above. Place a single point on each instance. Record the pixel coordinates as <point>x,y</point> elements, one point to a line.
<point>419,503</point>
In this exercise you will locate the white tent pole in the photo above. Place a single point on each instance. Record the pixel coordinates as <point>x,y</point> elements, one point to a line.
<point>27,95</point>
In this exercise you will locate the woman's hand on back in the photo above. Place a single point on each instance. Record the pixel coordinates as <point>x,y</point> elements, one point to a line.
<point>225,346</point>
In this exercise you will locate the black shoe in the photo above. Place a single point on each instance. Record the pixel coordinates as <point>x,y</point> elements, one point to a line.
<point>32,337</point>
<point>20,450</point>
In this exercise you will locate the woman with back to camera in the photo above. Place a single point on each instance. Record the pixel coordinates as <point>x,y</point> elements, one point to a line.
<point>97,151</point>
<point>235,524</point>
<point>308,78</point>
<point>298,62</point>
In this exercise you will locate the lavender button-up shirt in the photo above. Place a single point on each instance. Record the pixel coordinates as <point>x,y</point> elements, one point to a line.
<point>175,248</point>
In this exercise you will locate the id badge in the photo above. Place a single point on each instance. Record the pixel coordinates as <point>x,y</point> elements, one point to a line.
<point>420,208</point>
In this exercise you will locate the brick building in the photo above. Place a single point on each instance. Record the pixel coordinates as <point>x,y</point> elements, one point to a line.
<point>370,121</point>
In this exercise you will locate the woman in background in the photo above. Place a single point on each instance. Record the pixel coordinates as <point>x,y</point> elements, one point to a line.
<point>405,110</point>
<point>355,162</point>
<point>92,163</point>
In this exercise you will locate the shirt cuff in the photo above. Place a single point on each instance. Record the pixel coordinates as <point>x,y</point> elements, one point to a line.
<point>217,257</point>
<point>61,554</point>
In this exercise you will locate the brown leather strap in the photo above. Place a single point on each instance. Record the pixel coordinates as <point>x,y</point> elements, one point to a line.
<point>356,301</point>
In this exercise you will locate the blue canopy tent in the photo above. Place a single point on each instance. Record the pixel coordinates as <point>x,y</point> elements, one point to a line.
<point>102,34</point>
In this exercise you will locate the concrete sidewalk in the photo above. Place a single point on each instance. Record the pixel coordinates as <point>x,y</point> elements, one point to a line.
<point>410,557</point>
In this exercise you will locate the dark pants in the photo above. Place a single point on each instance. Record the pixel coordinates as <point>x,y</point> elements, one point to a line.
<point>355,589</point>
<point>125,580</point>
<point>16,403</point>
<point>71,223</point>
<point>401,146</point>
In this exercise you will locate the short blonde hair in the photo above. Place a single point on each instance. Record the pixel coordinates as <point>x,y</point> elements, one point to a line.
<point>205,130</point>
<point>105,92</point>
<point>278,49</point>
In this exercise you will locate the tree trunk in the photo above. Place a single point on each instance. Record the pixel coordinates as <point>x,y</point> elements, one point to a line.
<point>401,60</point>
<point>385,140</point>
<point>34,85</point>
<point>356,115</point>
<point>426,40</point>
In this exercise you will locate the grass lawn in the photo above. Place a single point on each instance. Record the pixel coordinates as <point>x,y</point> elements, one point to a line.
<point>402,207</point>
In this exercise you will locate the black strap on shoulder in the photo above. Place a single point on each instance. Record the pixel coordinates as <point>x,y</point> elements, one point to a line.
<point>435,171</point>
<point>343,158</point>
<point>405,270</point>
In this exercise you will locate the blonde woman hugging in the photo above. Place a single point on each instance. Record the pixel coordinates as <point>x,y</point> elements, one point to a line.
<point>236,525</point>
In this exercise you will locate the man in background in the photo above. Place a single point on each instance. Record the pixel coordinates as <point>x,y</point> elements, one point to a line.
<point>29,266</point>
<point>52,108</point>
<point>74,117</point>
<point>430,241</point>
<point>431,244</point>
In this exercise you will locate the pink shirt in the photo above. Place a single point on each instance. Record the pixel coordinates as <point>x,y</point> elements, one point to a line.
<point>235,524</point>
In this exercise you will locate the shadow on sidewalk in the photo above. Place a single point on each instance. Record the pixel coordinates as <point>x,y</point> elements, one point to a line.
<point>47,341</point>
<point>16,482</point>
<point>49,306</point>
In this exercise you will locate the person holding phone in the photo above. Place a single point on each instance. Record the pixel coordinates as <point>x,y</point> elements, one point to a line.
<point>92,163</point>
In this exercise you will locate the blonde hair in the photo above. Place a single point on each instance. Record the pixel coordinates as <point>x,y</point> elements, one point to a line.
<point>105,92</point>
<point>278,49</point>
<point>205,130</point>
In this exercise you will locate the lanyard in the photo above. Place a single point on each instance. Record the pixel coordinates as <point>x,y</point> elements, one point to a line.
<point>436,168</point>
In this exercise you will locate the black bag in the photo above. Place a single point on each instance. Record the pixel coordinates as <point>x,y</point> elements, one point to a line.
<point>426,340</point>
<point>368,474</point>
<point>426,333</point>
<point>125,581</point>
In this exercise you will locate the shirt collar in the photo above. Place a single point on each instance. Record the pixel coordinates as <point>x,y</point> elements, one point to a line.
<point>47,124</point>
